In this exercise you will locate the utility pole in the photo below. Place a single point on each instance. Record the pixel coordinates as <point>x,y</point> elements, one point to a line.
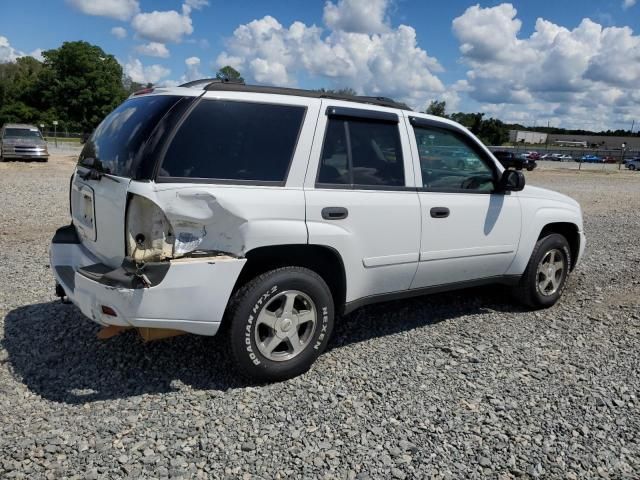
<point>546,149</point>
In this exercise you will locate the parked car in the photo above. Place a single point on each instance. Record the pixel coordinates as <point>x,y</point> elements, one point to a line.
<point>22,141</point>
<point>265,212</point>
<point>609,159</point>
<point>533,156</point>
<point>591,159</point>
<point>509,159</point>
<point>629,160</point>
<point>550,156</point>
<point>634,164</point>
<point>564,158</point>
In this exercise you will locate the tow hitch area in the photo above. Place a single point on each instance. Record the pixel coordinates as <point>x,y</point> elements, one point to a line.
<point>147,334</point>
<point>60,293</point>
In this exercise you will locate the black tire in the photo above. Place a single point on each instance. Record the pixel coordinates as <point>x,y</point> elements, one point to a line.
<point>632,167</point>
<point>253,298</point>
<point>528,290</point>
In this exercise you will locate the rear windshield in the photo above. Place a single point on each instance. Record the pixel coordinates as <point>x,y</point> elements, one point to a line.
<point>22,132</point>
<point>118,141</point>
<point>236,142</point>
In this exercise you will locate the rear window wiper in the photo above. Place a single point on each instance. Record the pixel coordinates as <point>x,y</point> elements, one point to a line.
<point>95,170</point>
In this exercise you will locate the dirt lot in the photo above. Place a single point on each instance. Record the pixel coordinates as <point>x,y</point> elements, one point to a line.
<point>450,386</point>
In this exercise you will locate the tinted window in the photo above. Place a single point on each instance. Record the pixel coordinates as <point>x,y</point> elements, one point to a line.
<point>118,141</point>
<point>229,140</point>
<point>372,156</point>
<point>449,162</point>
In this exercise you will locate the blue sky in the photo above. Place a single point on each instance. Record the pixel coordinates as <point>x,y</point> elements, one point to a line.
<point>490,56</point>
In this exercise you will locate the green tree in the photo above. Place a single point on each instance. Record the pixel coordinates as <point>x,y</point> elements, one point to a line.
<point>20,98</point>
<point>493,132</point>
<point>437,108</point>
<point>229,73</point>
<point>130,86</point>
<point>348,91</point>
<point>81,83</point>
<point>473,121</point>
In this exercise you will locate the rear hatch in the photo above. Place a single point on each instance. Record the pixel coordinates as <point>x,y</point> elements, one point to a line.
<point>109,161</point>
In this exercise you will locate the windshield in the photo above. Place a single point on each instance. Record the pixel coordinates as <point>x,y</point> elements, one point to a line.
<point>22,132</point>
<point>116,144</point>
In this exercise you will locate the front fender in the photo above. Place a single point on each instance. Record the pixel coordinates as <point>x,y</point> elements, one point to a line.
<point>534,221</point>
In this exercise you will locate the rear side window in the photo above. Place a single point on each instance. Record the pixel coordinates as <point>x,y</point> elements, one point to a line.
<point>359,152</point>
<point>235,141</point>
<point>118,141</point>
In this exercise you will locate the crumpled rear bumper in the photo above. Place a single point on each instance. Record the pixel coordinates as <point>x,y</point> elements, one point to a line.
<point>191,294</point>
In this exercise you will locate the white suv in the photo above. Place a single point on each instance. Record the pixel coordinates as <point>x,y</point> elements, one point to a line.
<point>266,212</point>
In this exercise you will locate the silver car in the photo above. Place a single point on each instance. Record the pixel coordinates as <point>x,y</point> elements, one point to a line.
<point>18,140</point>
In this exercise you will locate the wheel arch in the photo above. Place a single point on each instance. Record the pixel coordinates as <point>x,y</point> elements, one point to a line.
<point>569,231</point>
<point>325,261</point>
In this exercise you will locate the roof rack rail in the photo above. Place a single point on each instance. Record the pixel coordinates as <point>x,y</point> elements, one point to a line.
<point>205,82</point>
<point>231,85</point>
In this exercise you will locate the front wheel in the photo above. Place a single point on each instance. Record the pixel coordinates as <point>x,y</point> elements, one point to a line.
<point>281,322</point>
<point>632,167</point>
<point>545,277</point>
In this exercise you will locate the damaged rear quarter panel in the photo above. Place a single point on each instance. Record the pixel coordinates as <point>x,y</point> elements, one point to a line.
<point>233,218</point>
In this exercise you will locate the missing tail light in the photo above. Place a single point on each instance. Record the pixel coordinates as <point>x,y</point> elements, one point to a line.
<point>151,237</point>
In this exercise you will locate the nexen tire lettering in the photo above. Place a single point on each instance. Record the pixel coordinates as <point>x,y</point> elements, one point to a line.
<point>247,335</point>
<point>323,329</point>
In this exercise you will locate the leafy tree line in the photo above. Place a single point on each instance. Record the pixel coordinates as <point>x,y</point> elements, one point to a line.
<point>495,132</point>
<point>77,84</point>
<point>490,130</point>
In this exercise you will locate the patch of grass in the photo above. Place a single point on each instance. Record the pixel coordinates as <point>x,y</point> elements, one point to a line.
<point>63,139</point>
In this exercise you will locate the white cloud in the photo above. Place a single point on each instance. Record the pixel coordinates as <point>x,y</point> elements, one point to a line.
<point>119,32</point>
<point>628,4</point>
<point>10,54</point>
<point>388,63</point>
<point>196,4</point>
<point>166,26</point>
<point>118,9</point>
<point>358,16</point>
<point>7,52</point>
<point>577,77</point>
<point>37,54</point>
<point>192,70</point>
<point>145,74</point>
<point>153,49</point>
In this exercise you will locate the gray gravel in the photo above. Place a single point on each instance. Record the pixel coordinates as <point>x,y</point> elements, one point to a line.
<point>463,385</point>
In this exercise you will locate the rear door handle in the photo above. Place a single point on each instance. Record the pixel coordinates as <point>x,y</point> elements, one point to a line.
<point>334,213</point>
<point>439,212</point>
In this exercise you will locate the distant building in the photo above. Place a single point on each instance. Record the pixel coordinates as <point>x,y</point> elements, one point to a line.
<point>603,142</point>
<point>523,136</point>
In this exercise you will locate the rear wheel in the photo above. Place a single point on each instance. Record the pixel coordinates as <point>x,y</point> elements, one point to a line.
<point>545,277</point>
<point>281,322</point>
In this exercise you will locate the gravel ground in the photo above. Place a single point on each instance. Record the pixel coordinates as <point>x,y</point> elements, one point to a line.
<point>463,385</point>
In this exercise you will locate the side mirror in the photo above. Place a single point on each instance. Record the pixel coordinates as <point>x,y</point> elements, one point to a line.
<point>511,181</point>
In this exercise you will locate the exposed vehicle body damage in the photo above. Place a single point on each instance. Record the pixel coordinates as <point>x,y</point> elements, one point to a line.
<point>190,220</point>
<point>181,223</point>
